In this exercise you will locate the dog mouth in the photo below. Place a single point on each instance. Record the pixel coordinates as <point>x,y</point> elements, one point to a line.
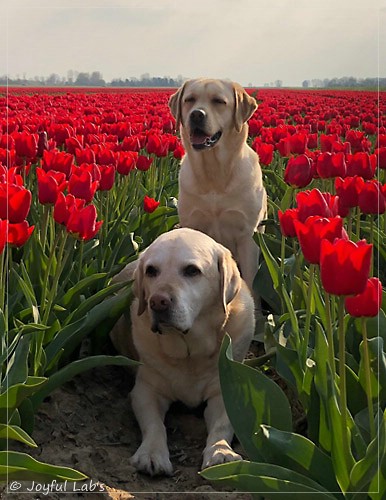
<point>201,140</point>
<point>161,327</point>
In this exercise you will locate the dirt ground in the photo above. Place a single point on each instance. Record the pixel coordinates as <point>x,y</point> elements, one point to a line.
<point>88,425</point>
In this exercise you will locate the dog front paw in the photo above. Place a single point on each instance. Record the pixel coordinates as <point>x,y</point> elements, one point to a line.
<point>152,462</point>
<point>219,453</point>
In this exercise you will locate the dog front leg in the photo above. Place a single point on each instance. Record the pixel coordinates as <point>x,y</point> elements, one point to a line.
<point>220,434</point>
<point>150,408</point>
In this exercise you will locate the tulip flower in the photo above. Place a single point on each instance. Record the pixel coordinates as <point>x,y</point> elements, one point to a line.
<point>64,206</point>
<point>348,190</point>
<point>298,172</point>
<point>313,231</point>
<point>381,157</point>
<point>107,177</point>
<point>82,222</point>
<point>330,165</point>
<point>315,202</point>
<point>126,162</point>
<point>367,303</point>
<point>150,204</point>
<point>157,145</point>
<point>361,164</point>
<point>298,143</point>
<point>15,202</point>
<point>19,233</point>
<point>286,220</point>
<point>50,184</point>
<point>345,266</point>
<point>371,199</point>
<point>85,155</point>
<point>143,163</point>
<point>26,144</point>
<point>81,185</point>
<point>57,160</point>
<point>265,152</point>
<point>179,152</point>
<point>3,235</point>
<point>284,147</point>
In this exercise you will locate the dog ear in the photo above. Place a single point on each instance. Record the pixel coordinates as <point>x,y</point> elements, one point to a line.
<point>245,106</point>
<point>138,289</point>
<point>175,105</point>
<point>230,279</point>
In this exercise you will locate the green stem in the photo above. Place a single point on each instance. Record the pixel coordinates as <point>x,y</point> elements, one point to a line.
<point>342,384</point>
<point>59,235</point>
<point>358,224</point>
<point>306,337</point>
<point>61,260</point>
<point>349,224</point>
<point>46,214</point>
<point>372,241</point>
<point>80,263</point>
<point>330,336</point>
<point>366,363</point>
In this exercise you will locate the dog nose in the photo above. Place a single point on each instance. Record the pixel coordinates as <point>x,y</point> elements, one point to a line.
<point>197,116</point>
<point>160,302</point>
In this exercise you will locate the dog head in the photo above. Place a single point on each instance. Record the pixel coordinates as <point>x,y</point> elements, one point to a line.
<point>182,274</point>
<point>210,109</point>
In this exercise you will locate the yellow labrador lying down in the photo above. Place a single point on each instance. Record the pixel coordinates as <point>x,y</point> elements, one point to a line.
<point>188,294</point>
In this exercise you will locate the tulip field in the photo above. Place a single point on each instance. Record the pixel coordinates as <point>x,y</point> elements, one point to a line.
<point>89,178</point>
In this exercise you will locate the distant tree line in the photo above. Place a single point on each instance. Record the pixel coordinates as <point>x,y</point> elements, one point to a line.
<point>345,82</point>
<point>94,79</point>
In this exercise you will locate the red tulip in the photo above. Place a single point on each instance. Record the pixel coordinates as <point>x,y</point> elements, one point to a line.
<point>179,152</point>
<point>157,145</point>
<point>345,266</point>
<point>284,147</point>
<point>298,143</point>
<point>106,157</point>
<point>381,157</point>
<point>348,190</point>
<point>64,206</point>
<point>368,303</point>
<point>355,138</point>
<point>265,152</point>
<point>298,172</point>
<point>150,204</point>
<point>287,220</point>
<point>316,203</point>
<point>314,230</point>
<point>3,234</point>
<point>81,185</point>
<point>19,233</point>
<point>326,142</point>
<point>143,163</point>
<point>371,199</point>
<point>330,165</point>
<point>15,202</point>
<point>107,177</point>
<point>85,155</point>
<point>26,144</point>
<point>57,160</point>
<point>82,222</point>
<point>126,162</point>
<point>49,185</point>
<point>361,164</point>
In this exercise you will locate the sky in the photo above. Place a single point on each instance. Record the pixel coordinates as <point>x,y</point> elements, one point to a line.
<point>248,41</point>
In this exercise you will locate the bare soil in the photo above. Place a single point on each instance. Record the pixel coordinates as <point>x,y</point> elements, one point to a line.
<point>88,424</point>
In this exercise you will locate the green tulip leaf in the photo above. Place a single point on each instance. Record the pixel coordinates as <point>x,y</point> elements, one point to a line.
<point>272,480</point>
<point>16,433</point>
<point>251,399</point>
<point>75,368</point>
<point>22,467</point>
<point>295,452</point>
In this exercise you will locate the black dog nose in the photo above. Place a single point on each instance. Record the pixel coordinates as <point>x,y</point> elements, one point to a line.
<point>160,302</point>
<point>197,116</point>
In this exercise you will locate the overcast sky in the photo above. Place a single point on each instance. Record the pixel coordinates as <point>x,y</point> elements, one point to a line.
<point>249,41</point>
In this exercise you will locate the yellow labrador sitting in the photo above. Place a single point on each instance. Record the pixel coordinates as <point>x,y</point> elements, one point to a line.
<point>188,294</point>
<point>221,191</point>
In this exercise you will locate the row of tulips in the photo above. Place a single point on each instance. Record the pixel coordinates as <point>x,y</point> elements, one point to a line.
<point>89,178</point>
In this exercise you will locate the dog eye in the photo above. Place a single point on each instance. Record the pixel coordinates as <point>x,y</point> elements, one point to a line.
<point>191,271</point>
<point>190,100</point>
<point>218,100</point>
<point>151,271</point>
